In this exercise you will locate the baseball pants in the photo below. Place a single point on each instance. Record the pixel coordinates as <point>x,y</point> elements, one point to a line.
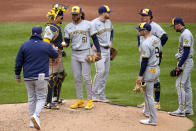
<point>37,91</point>
<point>183,86</point>
<point>80,67</point>
<point>150,77</point>
<point>102,69</point>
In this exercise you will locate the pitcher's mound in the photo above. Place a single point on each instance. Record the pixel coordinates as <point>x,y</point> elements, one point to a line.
<point>103,117</point>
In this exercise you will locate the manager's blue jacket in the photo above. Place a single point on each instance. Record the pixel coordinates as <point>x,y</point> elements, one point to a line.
<point>33,57</point>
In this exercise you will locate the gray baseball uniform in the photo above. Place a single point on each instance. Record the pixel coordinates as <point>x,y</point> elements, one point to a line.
<point>183,83</point>
<point>103,33</point>
<point>80,43</point>
<point>150,49</point>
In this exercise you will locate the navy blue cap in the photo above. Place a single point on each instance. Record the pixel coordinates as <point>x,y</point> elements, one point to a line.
<point>104,9</point>
<point>144,26</point>
<point>177,20</point>
<point>36,31</point>
<point>146,12</point>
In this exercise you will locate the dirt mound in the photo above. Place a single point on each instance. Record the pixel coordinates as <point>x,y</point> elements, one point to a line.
<point>104,117</point>
<point>124,10</point>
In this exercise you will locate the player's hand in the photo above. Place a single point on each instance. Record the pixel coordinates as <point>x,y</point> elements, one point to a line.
<point>177,70</point>
<point>18,80</point>
<point>139,79</point>
<point>110,45</point>
<point>56,48</point>
<point>94,48</point>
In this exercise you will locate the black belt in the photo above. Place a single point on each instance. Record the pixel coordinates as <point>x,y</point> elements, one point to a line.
<point>81,50</point>
<point>105,47</point>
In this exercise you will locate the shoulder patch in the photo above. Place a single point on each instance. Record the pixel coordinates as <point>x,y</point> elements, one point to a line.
<point>186,41</point>
<point>48,33</point>
<point>53,29</point>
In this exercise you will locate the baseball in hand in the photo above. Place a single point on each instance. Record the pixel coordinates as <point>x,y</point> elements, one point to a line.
<point>63,44</point>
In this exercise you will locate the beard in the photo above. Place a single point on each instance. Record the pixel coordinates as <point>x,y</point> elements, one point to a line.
<point>107,17</point>
<point>76,19</point>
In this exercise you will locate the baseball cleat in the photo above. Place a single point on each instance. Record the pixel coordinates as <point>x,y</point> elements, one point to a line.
<point>148,122</point>
<point>52,106</point>
<point>36,122</point>
<point>96,99</point>
<point>190,113</point>
<point>89,105</point>
<point>177,113</point>
<point>77,104</point>
<point>141,105</point>
<point>157,105</point>
<point>31,125</point>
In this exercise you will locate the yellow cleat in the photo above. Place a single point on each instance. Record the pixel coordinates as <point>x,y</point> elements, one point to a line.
<point>77,104</point>
<point>157,105</point>
<point>89,105</point>
<point>141,105</point>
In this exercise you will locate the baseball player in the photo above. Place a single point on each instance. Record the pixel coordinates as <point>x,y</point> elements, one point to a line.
<point>53,35</point>
<point>146,16</point>
<point>78,34</point>
<point>102,27</point>
<point>33,57</point>
<point>185,62</point>
<point>149,70</point>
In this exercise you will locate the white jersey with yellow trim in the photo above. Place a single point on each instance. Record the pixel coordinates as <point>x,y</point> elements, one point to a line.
<point>102,31</point>
<point>150,48</point>
<point>49,33</point>
<point>78,34</point>
<point>185,40</point>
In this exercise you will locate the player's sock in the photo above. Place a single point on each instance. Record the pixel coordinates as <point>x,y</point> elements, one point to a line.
<point>157,87</point>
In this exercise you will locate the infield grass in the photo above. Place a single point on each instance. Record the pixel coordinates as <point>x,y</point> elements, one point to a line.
<point>123,71</point>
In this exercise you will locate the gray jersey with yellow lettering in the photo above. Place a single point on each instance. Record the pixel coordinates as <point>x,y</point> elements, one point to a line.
<point>150,48</point>
<point>185,40</point>
<point>79,35</point>
<point>102,31</point>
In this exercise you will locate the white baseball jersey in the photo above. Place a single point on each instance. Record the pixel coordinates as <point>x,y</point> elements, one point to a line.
<point>185,40</point>
<point>102,31</point>
<point>78,34</point>
<point>150,48</point>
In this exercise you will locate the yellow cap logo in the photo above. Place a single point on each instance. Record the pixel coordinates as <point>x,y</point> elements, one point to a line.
<point>75,9</point>
<point>145,11</point>
<point>142,25</point>
<point>107,8</point>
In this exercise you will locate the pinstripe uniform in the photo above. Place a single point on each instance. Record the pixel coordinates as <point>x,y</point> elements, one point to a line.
<point>79,34</point>
<point>183,83</point>
<point>150,49</point>
<point>103,32</point>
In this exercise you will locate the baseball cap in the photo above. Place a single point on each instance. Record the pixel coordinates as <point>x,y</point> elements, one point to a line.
<point>104,9</point>
<point>145,12</point>
<point>76,10</point>
<point>144,26</point>
<point>177,20</point>
<point>36,31</point>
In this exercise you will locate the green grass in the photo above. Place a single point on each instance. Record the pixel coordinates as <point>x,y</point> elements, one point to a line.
<point>123,71</point>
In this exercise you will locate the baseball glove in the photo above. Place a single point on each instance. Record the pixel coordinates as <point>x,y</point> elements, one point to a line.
<point>113,53</point>
<point>139,87</point>
<point>175,72</point>
<point>93,58</point>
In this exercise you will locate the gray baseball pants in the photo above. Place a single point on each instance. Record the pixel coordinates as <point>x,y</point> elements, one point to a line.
<point>80,67</point>
<point>37,92</point>
<point>183,87</point>
<point>102,69</point>
<point>150,77</point>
